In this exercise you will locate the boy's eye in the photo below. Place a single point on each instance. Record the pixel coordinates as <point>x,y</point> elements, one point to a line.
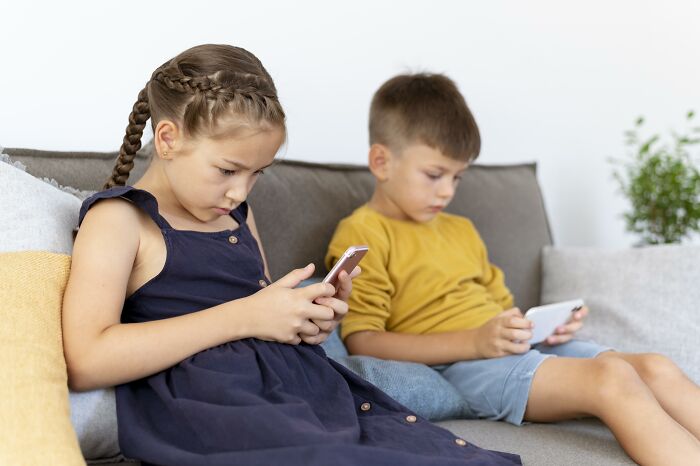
<point>434,176</point>
<point>226,172</point>
<point>260,172</point>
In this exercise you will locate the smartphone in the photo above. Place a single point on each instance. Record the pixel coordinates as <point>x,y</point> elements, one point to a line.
<point>550,316</point>
<point>350,258</point>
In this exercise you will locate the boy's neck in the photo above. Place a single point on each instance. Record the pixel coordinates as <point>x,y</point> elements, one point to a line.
<point>382,204</point>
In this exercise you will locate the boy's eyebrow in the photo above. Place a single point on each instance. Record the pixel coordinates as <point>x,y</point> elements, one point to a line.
<point>445,169</point>
<point>240,165</point>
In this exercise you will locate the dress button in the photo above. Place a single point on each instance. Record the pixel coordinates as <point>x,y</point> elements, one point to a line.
<point>232,239</point>
<point>411,418</point>
<point>460,442</point>
<point>365,406</point>
<point>262,283</point>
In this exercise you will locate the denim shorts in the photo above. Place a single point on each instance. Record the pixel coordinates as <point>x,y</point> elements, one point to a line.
<point>498,388</point>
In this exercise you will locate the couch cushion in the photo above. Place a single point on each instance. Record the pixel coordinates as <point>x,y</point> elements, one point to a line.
<point>35,427</point>
<point>81,170</point>
<point>641,299</point>
<point>580,442</point>
<point>298,205</point>
<point>35,215</point>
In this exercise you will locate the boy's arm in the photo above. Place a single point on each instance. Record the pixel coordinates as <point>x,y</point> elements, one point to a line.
<point>495,338</point>
<point>438,348</point>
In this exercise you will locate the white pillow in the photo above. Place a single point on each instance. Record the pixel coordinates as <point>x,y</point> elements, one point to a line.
<point>641,300</point>
<point>35,215</point>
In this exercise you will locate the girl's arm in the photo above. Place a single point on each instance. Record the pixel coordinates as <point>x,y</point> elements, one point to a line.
<point>100,351</point>
<point>494,339</point>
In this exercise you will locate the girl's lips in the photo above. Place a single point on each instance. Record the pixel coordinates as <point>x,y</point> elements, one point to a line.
<point>222,211</point>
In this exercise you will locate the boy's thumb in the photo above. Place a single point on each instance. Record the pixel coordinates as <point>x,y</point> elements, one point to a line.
<point>296,276</point>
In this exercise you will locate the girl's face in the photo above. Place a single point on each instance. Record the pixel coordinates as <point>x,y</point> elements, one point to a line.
<point>209,177</point>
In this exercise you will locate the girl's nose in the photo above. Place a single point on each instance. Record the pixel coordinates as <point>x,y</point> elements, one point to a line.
<point>238,193</point>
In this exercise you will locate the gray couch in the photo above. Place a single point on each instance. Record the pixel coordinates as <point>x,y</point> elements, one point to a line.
<point>297,206</point>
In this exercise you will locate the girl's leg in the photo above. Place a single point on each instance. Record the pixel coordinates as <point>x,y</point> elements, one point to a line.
<point>611,389</point>
<point>676,393</point>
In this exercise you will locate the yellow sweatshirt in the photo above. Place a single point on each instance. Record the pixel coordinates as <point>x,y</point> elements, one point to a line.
<point>418,277</point>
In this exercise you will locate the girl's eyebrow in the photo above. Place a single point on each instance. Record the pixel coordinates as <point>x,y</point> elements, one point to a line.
<point>240,165</point>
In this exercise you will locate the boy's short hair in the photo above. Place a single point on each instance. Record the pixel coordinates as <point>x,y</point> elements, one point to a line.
<point>424,108</point>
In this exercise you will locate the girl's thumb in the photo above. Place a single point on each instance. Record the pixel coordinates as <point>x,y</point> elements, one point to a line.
<point>296,276</point>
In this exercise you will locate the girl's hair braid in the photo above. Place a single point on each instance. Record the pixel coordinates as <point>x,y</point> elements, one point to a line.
<point>132,141</point>
<point>196,88</point>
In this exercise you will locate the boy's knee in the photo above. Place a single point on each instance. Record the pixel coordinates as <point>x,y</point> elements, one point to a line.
<point>653,368</point>
<point>616,379</point>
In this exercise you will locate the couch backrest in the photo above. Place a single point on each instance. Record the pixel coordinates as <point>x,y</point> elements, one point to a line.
<point>297,206</point>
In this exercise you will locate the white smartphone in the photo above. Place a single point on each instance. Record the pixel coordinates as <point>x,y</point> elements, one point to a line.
<point>550,316</point>
<point>348,261</point>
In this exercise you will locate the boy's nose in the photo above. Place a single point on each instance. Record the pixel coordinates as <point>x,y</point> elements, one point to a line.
<point>446,191</point>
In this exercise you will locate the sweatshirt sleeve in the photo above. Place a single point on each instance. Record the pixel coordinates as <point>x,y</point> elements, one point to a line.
<point>370,300</point>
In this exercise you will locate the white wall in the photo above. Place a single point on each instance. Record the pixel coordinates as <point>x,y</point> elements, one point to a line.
<point>551,81</point>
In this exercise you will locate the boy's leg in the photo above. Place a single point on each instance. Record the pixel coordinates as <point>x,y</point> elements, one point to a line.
<point>676,393</point>
<point>611,389</point>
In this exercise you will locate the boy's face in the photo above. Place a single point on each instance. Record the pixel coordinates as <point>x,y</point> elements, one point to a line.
<point>418,183</point>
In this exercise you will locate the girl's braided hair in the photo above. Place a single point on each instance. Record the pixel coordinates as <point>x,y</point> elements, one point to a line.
<point>196,88</point>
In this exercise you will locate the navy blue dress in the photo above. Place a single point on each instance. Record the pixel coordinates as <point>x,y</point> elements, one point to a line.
<point>252,402</point>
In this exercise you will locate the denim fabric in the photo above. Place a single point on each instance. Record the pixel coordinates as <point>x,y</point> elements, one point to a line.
<point>498,388</point>
<point>414,385</point>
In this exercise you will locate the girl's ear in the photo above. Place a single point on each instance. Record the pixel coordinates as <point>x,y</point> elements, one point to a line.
<point>380,159</point>
<point>167,138</point>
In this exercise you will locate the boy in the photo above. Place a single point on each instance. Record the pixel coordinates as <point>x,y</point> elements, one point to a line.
<point>429,294</point>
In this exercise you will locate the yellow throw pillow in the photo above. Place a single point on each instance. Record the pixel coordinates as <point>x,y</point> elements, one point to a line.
<point>35,426</point>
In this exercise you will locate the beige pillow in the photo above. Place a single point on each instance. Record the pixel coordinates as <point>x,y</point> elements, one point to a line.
<point>641,299</point>
<point>35,426</point>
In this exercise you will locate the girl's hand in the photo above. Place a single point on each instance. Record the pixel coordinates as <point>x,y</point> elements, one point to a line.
<point>566,332</point>
<point>339,305</point>
<point>280,312</point>
<point>505,334</point>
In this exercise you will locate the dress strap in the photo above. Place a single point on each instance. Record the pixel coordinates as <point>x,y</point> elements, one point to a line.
<point>240,213</point>
<point>143,199</point>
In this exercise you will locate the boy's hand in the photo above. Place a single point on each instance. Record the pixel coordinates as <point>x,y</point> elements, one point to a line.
<point>339,305</point>
<point>566,332</point>
<point>505,334</point>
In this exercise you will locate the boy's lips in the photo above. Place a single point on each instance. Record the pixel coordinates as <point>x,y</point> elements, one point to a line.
<point>222,211</point>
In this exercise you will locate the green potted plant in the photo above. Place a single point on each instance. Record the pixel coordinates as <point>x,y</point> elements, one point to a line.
<point>662,184</point>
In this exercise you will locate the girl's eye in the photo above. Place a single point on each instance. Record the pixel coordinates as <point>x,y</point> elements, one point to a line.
<point>260,172</point>
<point>227,172</point>
<point>458,177</point>
<point>433,176</point>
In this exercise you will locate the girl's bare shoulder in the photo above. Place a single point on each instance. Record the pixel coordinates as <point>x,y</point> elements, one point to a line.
<point>114,219</point>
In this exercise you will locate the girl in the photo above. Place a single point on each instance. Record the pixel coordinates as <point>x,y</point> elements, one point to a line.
<point>169,298</point>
